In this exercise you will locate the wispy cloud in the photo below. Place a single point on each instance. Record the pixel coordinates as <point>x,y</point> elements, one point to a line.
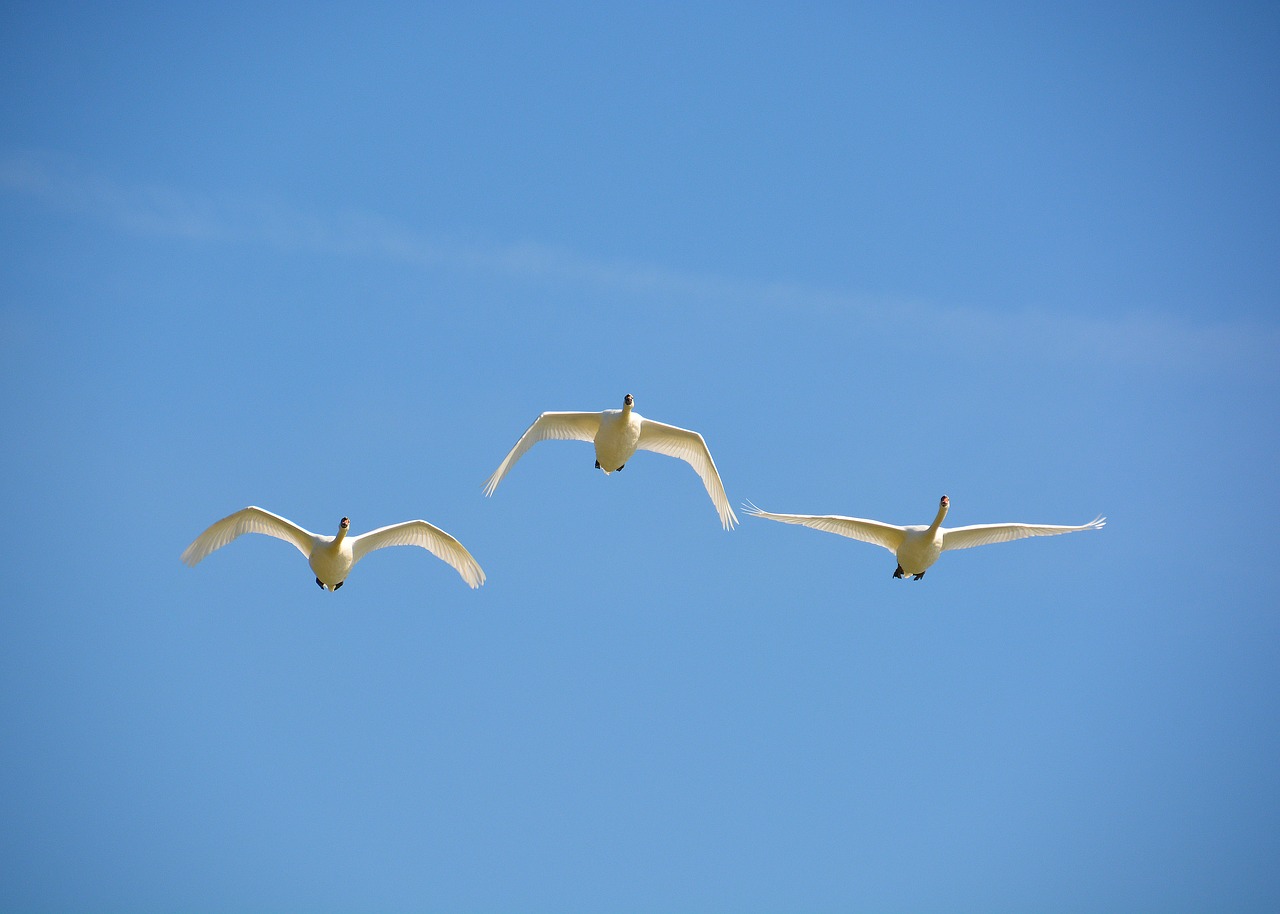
<point>151,210</point>
<point>1153,340</point>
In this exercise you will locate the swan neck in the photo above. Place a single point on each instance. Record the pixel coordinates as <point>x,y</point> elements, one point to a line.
<point>937,521</point>
<point>342,534</point>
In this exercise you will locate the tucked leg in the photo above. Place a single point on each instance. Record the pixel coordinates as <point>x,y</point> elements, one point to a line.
<point>899,573</point>
<point>321,583</point>
<point>338,585</point>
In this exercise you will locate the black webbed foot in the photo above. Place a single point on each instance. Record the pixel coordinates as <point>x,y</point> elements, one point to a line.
<point>899,572</point>
<point>321,583</point>
<point>338,585</point>
<point>597,464</point>
<point>917,577</point>
<point>619,469</point>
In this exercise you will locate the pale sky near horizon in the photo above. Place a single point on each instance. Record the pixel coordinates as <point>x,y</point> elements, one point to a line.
<point>333,261</point>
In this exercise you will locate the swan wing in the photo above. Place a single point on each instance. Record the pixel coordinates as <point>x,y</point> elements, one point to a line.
<point>547,427</point>
<point>875,532</point>
<point>690,447</point>
<point>983,534</point>
<point>429,537</point>
<point>248,520</point>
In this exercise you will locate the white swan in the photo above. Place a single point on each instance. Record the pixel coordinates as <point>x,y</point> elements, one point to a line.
<point>619,433</point>
<point>332,557</point>
<point>918,547</point>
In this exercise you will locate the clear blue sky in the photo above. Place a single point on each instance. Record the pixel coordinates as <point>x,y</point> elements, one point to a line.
<point>333,259</point>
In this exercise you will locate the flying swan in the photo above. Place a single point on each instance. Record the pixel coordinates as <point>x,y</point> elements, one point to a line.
<point>918,547</point>
<point>332,557</point>
<point>617,434</point>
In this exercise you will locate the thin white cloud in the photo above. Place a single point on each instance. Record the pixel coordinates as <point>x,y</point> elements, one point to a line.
<point>1132,339</point>
<point>150,210</point>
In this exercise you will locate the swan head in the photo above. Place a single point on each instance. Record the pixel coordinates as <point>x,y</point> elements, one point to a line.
<point>945,503</point>
<point>344,523</point>
<point>628,400</point>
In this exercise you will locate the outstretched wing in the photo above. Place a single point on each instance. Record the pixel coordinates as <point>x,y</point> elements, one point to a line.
<point>429,537</point>
<point>983,534</point>
<point>875,532</point>
<point>248,520</point>
<point>548,426</point>
<point>692,449</point>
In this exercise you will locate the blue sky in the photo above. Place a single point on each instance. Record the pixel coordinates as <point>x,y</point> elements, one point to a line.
<point>333,260</point>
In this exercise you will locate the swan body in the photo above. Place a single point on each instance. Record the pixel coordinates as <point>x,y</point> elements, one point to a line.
<point>333,557</point>
<point>617,434</point>
<point>918,547</point>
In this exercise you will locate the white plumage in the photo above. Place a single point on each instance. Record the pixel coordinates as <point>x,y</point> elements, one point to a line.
<point>617,435</point>
<point>918,547</point>
<point>332,557</point>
